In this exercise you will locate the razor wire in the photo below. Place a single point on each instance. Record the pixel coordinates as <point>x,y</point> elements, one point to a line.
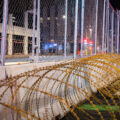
<point>86,88</point>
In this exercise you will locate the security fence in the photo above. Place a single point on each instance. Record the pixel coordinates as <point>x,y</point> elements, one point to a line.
<point>57,27</point>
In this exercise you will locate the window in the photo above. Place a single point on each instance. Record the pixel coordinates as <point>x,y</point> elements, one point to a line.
<point>41,12</point>
<point>18,44</point>
<point>1,19</point>
<point>48,11</point>
<point>41,28</point>
<point>18,19</point>
<point>55,28</point>
<point>29,44</point>
<point>72,28</point>
<point>56,11</point>
<point>48,24</point>
<point>30,21</point>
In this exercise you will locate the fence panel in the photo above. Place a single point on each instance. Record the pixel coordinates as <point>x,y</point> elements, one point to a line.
<point>62,28</point>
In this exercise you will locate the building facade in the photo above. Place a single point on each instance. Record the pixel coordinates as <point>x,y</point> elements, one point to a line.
<point>52,23</point>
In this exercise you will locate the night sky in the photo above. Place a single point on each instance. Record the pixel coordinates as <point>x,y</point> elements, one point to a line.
<point>115,4</point>
<point>28,4</point>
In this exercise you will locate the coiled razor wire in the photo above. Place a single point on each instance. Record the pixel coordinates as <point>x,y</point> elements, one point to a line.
<point>81,89</point>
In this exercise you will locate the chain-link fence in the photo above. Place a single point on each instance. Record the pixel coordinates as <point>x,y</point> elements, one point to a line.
<point>58,27</point>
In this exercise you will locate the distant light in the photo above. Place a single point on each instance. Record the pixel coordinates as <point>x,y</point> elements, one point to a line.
<point>52,40</point>
<point>90,48</point>
<point>64,16</point>
<point>60,47</point>
<point>90,29</point>
<point>48,18</point>
<point>85,41</point>
<point>50,45</point>
<point>98,48</point>
<point>91,43</point>
<point>55,44</point>
<point>46,46</point>
<point>41,18</point>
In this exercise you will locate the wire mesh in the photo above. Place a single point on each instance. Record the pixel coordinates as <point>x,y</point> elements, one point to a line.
<point>86,88</point>
<point>61,27</point>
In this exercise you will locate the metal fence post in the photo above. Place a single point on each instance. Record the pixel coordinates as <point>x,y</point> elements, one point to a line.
<point>118,32</point>
<point>108,27</point>
<point>4,32</point>
<point>65,37</point>
<point>34,22</point>
<point>96,21</point>
<point>38,31</point>
<point>75,33</point>
<point>103,30</point>
<point>82,26</point>
<point>112,32</point>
